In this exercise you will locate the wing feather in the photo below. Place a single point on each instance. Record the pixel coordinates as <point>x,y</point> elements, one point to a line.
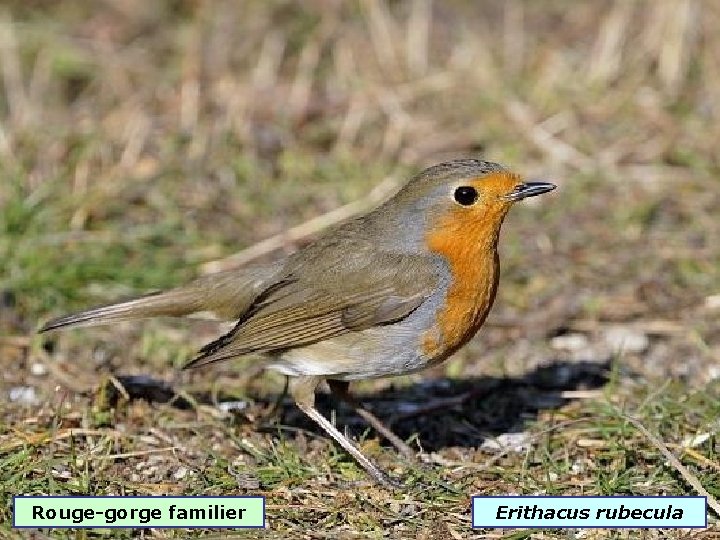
<point>385,289</point>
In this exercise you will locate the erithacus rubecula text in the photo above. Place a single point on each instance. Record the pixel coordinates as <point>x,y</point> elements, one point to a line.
<point>388,293</point>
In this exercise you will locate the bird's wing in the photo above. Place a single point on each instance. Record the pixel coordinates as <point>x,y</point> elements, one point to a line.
<point>361,292</point>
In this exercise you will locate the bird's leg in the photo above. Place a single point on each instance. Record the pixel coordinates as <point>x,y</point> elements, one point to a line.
<point>275,408</point>
<point>341,390</point>
<point>302,390</point>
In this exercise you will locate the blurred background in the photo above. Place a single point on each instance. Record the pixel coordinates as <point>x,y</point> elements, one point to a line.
<point>143,143</point>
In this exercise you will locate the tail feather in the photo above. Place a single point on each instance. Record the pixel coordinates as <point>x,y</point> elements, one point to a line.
<point>228,295</point>
<point>174,303</point>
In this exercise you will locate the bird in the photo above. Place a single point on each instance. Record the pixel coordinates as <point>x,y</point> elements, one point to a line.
<point>391,292</point>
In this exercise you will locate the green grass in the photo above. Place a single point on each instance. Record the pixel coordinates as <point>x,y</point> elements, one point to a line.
<point>560,461</point>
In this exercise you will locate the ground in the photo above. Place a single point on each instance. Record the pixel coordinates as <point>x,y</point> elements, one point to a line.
<point>143,142</point>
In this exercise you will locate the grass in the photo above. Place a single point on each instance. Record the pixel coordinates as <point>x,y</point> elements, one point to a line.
<point>139,141</point>
<point>584,448</point>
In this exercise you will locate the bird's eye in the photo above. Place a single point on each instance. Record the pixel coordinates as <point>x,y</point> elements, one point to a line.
<point>466,195</point>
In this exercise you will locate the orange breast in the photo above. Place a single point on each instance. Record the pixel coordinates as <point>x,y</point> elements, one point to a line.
<point>468,243</point>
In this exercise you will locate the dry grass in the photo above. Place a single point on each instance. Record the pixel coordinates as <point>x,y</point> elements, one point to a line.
<point>139,140</point>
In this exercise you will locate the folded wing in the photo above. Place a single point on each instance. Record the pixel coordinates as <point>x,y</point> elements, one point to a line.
<point>361,291</point>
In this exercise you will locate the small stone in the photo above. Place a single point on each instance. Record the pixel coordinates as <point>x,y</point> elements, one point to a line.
<point>569,342</point>
<point>61,473</point>
<point>507,442</point>
<point>230,406</point>
<point>713,372</point>
<point>622,339</point>
<point>180,473</point>
<point>23,394</point>
<point>713,301</point>
<point>38,369</point>
<point>696,440</point>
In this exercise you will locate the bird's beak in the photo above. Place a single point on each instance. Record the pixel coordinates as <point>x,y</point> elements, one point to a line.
<point>528,189</point>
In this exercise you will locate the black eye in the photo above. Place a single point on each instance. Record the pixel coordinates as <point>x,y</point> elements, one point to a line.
<point>466,195</point>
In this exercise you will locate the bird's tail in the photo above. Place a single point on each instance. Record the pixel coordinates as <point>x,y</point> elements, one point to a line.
<point>173,303</point>
<point>227,295</point>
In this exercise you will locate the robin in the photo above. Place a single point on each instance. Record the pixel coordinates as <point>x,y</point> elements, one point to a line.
<point>392,292</point>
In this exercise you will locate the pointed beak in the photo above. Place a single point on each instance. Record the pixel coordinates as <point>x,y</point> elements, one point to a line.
<point>529,189</point>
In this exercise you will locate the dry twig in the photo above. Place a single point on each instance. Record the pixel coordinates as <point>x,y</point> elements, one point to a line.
<point>689,477</point>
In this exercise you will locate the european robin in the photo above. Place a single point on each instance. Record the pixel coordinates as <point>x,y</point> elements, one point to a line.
<point>388,293</point>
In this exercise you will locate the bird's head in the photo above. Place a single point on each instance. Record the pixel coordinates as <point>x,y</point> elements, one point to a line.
<point>458,202</point>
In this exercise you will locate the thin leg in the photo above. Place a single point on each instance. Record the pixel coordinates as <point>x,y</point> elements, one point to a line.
<point>341,390</point>
<point>275,408</point>
<point>303,391</point>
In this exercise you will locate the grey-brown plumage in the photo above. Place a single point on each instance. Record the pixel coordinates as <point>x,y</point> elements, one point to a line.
<point>227,295</point>
<point>388,293</point>
<point>298,308</point>
<point>306,280</point>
